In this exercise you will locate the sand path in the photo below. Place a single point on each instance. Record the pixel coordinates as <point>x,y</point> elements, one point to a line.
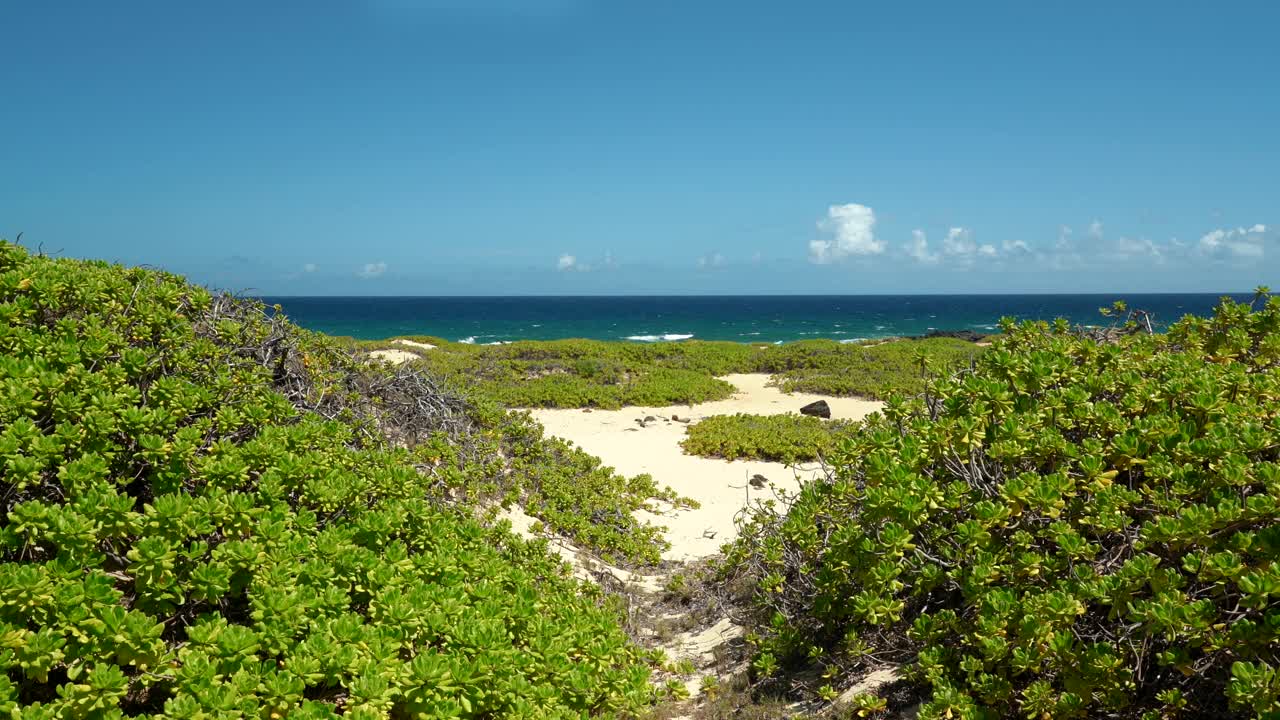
<point>720,486</point>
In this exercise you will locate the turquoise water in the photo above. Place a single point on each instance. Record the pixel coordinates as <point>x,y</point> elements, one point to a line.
<point>738,318</point>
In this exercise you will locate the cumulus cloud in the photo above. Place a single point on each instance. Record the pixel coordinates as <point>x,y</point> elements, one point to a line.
<point>852,230</point>
<point>310,268</point>
<point>1064,238</point>
<point>713,260</point>
<point>566,263</point>
<point>959,242</point>
<point>372,270</point>
<point>1095,230</point>
<point>572,263</point>
<point>919,248</point>
<point>1127,247</point>
<point>1240,242</point>
<point>1016,248</point>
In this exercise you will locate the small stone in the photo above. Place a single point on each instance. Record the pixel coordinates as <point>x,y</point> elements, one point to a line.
<point>817,409</point>
<point>758,481</point>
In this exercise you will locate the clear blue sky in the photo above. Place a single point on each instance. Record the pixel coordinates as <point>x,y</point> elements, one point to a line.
<point>569,146</point>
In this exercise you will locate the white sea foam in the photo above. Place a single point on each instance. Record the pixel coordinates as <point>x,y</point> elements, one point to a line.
<point>468,340</point>
<point>849,341</point>
<point>656,338</point>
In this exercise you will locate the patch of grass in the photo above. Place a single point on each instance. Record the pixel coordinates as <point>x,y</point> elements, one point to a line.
<point>779,438</point>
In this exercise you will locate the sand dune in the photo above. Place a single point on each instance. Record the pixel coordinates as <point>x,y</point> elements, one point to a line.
<point>721,486</point>
<point>395,357</point>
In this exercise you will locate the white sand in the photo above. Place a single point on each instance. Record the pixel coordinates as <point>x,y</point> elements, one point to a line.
<point>414,344</point>
<point>399,357</point>
<point>720,486</point>
<point>395,357</point>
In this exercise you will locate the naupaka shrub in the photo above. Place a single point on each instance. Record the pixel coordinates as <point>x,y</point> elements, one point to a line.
<point>780,438</point>
<point>606,374</point>
<point>179,539</point>
<point>1078,527</point>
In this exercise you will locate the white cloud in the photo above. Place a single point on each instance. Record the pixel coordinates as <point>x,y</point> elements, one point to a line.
<point>1095,229</point>
<point>310,268</point>
<point>568,262</point>
<point>714,260</point>
<point>1064,238</point>
<point>1016,247</point>
<point>959,242</point>
<point>1241,242</point>
<point>571,263</point>
<point>1127,247</point>
<point>372,270</point>
<point>919,248</point>
<point>852,227</point>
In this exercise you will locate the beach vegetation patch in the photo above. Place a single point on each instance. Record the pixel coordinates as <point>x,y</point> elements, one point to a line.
<point>1083,525</point>
<point>778,438</point>
<point>209,513</point>
<point>600,374</point>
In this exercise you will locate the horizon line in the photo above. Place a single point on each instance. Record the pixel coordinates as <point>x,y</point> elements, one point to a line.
<point>1144,293</point>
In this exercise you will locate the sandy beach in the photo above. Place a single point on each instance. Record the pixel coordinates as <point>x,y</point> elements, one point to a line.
<point>396,356</point>
<point>721,486</point>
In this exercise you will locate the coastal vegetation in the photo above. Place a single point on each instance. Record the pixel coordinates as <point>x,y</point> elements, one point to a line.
<point>593,373</point>
<point>1086,524</point>
<point>209,513</point>
<point>780,438</point>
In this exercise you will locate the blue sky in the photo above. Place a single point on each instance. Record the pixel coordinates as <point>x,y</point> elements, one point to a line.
<point>431,147</point>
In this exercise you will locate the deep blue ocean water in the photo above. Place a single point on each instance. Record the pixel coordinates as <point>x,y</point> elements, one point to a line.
<point>738,318</point>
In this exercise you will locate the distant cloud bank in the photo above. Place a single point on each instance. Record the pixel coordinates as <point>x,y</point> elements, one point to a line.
<point>372,270</point>
<point>850,231</point>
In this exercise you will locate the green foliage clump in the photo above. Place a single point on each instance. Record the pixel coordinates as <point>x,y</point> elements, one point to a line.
<point>593,373</point>
<point>871,370</point>
<point>1085,525</point>
<point>584,373</point>
<point>781,438</point>
<point>181,538</point>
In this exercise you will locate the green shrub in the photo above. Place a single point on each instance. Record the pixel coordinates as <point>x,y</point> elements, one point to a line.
<point>592,373</point>
<point>1076,528</point>
<point>872,370</point>
<point>781,438</point>
<point>182,537</point>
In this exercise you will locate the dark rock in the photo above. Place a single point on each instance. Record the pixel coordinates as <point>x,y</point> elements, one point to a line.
<point>758,481</point>
<point>675,417</point>
<point>817,409</point>
<point>650,418</point>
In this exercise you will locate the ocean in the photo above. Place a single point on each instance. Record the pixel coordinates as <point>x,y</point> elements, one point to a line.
<point>739,318</point>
